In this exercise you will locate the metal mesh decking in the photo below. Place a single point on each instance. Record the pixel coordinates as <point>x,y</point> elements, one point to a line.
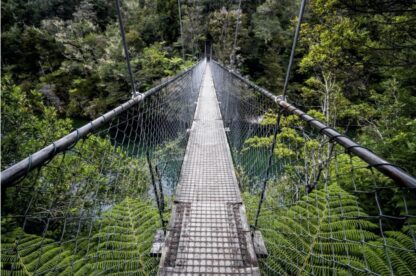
<point>208,232</point>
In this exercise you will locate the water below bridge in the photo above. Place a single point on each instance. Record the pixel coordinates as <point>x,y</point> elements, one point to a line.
<point>208,232</point>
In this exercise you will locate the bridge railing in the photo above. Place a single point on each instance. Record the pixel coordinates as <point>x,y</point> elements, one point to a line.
<point>91,202</point>
<point>324,204</point>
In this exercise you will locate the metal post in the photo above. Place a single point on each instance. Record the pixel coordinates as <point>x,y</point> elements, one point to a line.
<point>126,50</point>
<point>269,165</point>
<point>162,196</point>
<point>149,163</point>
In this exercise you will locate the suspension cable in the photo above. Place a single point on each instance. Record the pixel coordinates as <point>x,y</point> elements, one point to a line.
<point>181,28</point>
<point>279,114</point>
<point>126,50</point>
<point>292,52</point>
<point>192,18</point>
<point>237,24</point>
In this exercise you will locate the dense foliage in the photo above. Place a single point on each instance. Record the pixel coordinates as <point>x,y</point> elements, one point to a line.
<point>63,64</point>
<point>71,51</point>
<point>355,61</point>
<point>326,233</point>
<point>119,242</point>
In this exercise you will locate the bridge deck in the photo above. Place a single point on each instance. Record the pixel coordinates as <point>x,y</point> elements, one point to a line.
<point>208,232</point>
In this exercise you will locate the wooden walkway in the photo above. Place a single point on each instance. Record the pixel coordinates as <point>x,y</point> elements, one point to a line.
<point>208,232</point>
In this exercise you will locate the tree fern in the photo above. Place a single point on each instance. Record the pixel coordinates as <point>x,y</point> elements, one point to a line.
<point>26,254</point>
<point>123,243</point>
<point>396,252</point>
<point>120,244</point>
<point>322,234</point>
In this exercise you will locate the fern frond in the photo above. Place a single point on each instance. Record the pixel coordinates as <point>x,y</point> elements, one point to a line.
<point>120,244</point>
<point>323,234</point>
<point>395,253</point>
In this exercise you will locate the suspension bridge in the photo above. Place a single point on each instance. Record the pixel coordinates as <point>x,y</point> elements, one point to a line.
<point>208,232</point>
<point>207,174</point>
<point>201,129</point>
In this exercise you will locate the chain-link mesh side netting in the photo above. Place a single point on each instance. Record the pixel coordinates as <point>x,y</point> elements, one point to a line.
<point>95,206</point>
<point>325,211</point>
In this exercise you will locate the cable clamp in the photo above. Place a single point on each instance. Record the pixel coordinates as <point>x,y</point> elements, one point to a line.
<point>279,98</point>
<point>136,94</point>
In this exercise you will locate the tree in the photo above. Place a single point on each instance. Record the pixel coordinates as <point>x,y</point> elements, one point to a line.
<point>27,123</point>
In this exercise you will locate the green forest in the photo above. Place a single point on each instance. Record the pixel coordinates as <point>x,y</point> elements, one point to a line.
<point>63,65</point>
<point>355,60</point>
